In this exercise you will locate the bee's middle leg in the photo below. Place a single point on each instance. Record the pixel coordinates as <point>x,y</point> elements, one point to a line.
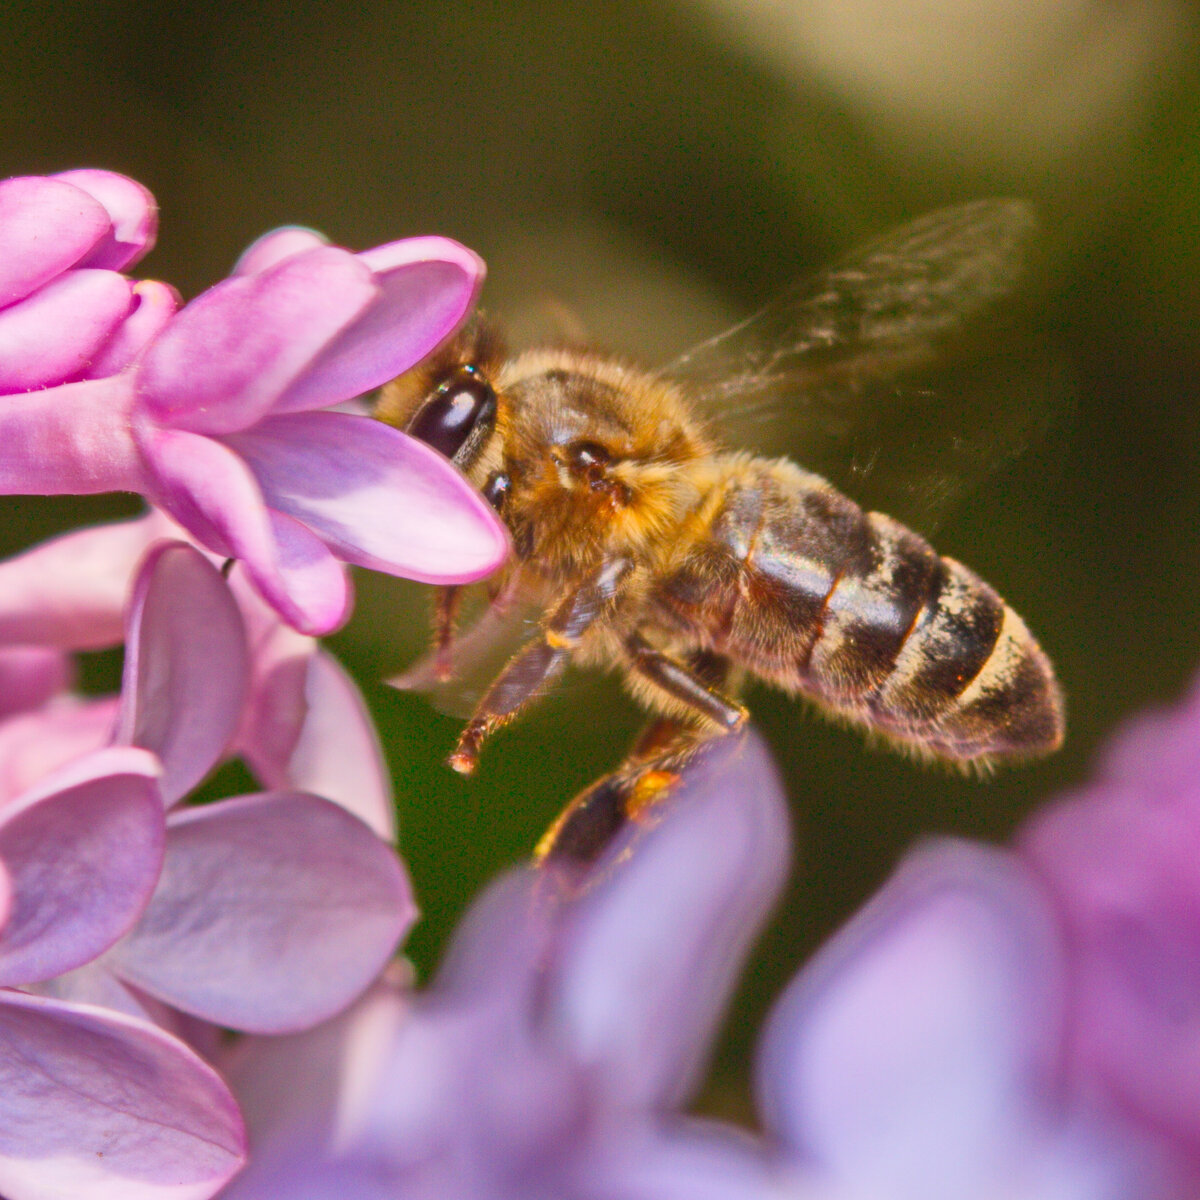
<point>694,685</point>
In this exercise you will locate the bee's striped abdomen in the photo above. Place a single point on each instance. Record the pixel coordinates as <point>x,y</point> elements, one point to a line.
<point>801,586</point>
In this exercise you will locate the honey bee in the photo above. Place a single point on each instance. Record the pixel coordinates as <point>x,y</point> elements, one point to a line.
<point>652,547</point>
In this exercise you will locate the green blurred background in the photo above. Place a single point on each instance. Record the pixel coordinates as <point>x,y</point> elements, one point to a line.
<point>660,169</point>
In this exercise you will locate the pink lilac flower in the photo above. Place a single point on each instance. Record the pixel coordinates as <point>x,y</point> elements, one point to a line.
<point>264,912</point>
<point>270,911</point>
<point>304,725</point>
<point>253,895</point>
<point>568,1015</point>
<point>223,416</point>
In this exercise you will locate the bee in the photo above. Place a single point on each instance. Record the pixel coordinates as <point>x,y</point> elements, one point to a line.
<point>652,547</point>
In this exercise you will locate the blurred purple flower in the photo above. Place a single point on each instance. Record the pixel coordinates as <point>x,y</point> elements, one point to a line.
<point>950,1042</point>
<point>570,1013</point>
<point>219,413</point>
<point>921,1053</point>
<point>1121,857</point>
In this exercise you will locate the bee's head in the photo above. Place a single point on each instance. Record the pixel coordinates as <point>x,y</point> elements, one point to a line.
<point>595,447</point>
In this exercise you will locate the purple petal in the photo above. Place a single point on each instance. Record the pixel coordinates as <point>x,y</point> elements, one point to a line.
<point>54,335</point>
<point>914,1055</point>
<point>337,754</point>
<point>70,592</point>
<point>273,913</point>
<point>34,744</point>
<point>70,440</point>
<point>1120,857</point>
<point>99,1106</point>
<point>154,304</point>
<point>186,667</point>
<point>649,954</point>
<point>428,286</point>
<point>46,227</point>
<point>302,1090</point>
<point>132,212</point>
<point>693,1161</point>
<point>518,911</point>
<point>229,355</point>
<point>274,247</point>
<point>82,852</point>
<point>30,676</point>
<point>212,494</point>
<point>375,496</point>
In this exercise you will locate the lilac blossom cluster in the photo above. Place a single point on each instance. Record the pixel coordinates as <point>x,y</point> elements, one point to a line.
<point>202,999</point>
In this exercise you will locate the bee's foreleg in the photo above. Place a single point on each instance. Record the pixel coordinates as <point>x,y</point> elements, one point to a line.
<point>538,663</point>
<point>445,613</point>
<point>682,683</point>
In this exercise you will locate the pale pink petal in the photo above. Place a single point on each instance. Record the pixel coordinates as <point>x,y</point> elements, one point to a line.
<point>70,592</point>
<point>94,983</point>
<point>276,709</point>
<point>186,668</point>
<point>154,304</point>
<point>34,744</point>
<point>228,355</point>
<point>46,227</point>
<point>274,247</point>
<point>273,913</point>
<point>916,1055</point>
<point>95,1105</point>
<point>375,496</point>
<point>428,287</point>
<point>131,210</point>
<point>337,754</point>
<point>70,440</point>
<point>30,676</point>
<point>53,335</point>
<point>82,851</point>
<point>648,955</point>
<point>212,494</point>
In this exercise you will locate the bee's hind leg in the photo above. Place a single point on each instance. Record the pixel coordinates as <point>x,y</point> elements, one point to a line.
<point>650,771</point>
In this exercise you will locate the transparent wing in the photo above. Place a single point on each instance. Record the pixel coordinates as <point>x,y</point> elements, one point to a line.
<point>479,652</point>
<point>850,371</point>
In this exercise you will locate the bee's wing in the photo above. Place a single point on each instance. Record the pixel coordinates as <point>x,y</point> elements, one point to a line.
<point>827,374</point>
<point>477,655</point>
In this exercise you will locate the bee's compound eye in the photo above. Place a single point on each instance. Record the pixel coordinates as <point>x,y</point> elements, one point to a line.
<point>461,405</point>
<point>589,457</point>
